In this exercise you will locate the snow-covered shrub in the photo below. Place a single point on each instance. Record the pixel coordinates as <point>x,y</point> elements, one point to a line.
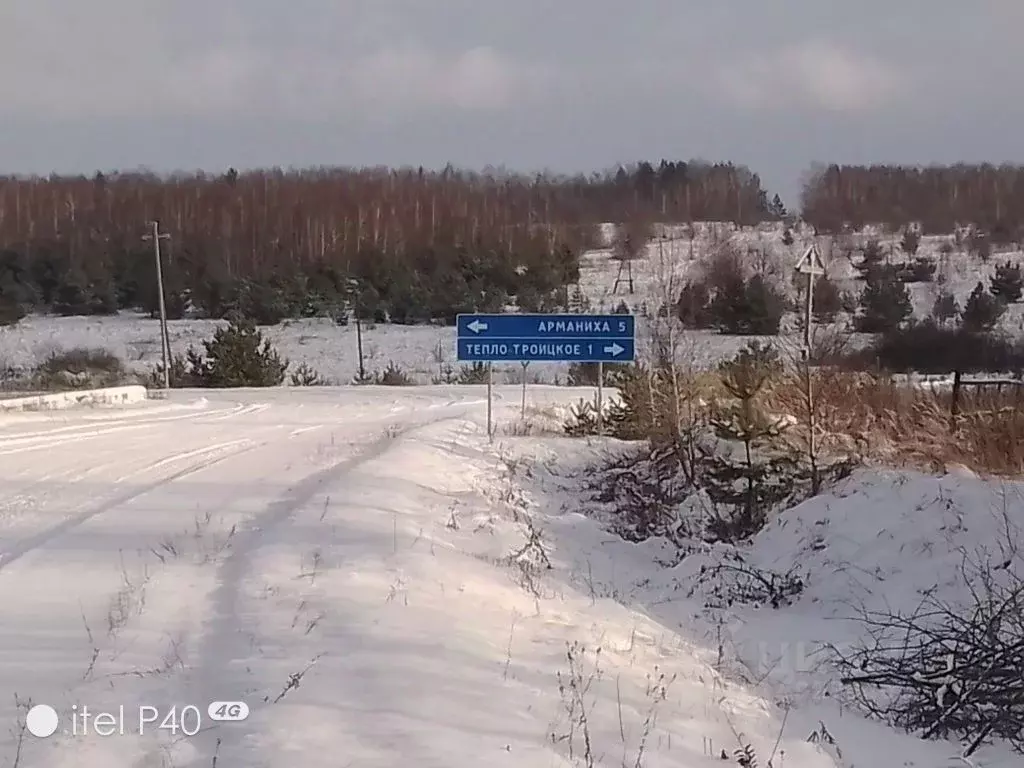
<point>79,368</point>
<point>949,670</point>
<point>236,356</point>
<point>393,376</point>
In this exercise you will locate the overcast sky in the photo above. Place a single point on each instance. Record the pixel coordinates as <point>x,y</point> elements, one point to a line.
<point>529,84</point>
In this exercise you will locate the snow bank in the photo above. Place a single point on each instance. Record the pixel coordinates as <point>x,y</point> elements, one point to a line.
<point>880,540</point>
<point>61,400</point>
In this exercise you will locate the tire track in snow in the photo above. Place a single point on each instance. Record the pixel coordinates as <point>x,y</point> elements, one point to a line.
<point>52,438</point>
<point>179,412</point>
<point>228,450</point>
<point>245,410</point>
<point>25,546</point>
<point>30,496</point>
<point>243,444</point>
<point>218,650</point>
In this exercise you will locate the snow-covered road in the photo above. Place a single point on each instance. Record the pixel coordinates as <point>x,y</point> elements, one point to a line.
<point>139,550</point>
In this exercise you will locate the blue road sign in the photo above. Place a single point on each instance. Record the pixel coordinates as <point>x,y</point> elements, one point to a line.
<point>546,338</point>
<point>538,326</point>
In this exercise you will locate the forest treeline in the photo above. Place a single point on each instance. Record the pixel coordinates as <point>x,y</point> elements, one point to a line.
<point>416,245</point>
<point>938,198</point>
<point>410,245</point>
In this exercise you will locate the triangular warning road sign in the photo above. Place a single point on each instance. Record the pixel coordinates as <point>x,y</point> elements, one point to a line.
<point>810,263</point>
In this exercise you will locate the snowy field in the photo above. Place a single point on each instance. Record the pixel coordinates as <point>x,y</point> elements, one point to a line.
<point>384,587</point>
<point>425,351</point>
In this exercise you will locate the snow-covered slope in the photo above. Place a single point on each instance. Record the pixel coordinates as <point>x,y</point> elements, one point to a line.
<point>673,254</point>
<point>879,541</point>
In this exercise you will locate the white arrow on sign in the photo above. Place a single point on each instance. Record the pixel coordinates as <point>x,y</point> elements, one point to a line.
<point>476,326</point>
<point>614,350</point>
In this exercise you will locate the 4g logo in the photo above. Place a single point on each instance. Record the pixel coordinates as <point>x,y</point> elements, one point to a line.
<point>229,711</point>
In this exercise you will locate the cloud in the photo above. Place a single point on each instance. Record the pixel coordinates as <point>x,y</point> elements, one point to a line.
<point>72,64</point>
<point>814,74</point>
<point>413,77</point>
<point>113,59</point>
<point>1005,10</point>
<point>240,80</point>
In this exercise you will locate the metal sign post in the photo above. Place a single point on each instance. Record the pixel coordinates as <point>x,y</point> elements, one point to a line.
<point>523,410</point>
<point>811,265</point>
<point>490,400</point>
<point>529,338</point>
<point>600,398</point>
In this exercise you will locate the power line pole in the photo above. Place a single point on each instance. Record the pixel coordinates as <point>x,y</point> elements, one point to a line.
<point>165,339</point>
<point>354,286</point>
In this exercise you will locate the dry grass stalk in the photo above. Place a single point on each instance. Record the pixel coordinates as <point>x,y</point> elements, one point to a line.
<point>895,424</point>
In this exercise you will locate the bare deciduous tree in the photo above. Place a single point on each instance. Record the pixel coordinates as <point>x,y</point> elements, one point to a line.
<point>940,198</point>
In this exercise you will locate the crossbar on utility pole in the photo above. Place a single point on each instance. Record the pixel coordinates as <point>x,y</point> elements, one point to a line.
<point>165,339</point>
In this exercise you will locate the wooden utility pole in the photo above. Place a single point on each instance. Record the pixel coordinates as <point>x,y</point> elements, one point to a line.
<point>165,339</point>
<point>359,347</point>
<point>354,287</point>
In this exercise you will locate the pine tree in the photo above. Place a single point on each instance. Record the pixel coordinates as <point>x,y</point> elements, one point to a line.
<point>945,308</point>
<point>102,292</point>
<point>828,301</point>
<point>14,293</point>
<point>11,311</point>
<point>885,303</point>
<point>778,209</point>
<point>982,311</point>
<point>765,307</point>
<point>578,302</point>
<point>980,245</point>
<point>729,306</point>
<point>746,307</point>
<point>872,259</point>
<point>911,242</point>
<point>1008,283</point>
<point>741,486</point>
<point>921,271</point>
<point>693,307</point>
<point>368,304</point>
<point>72,295</point>
<point>238,356</point>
